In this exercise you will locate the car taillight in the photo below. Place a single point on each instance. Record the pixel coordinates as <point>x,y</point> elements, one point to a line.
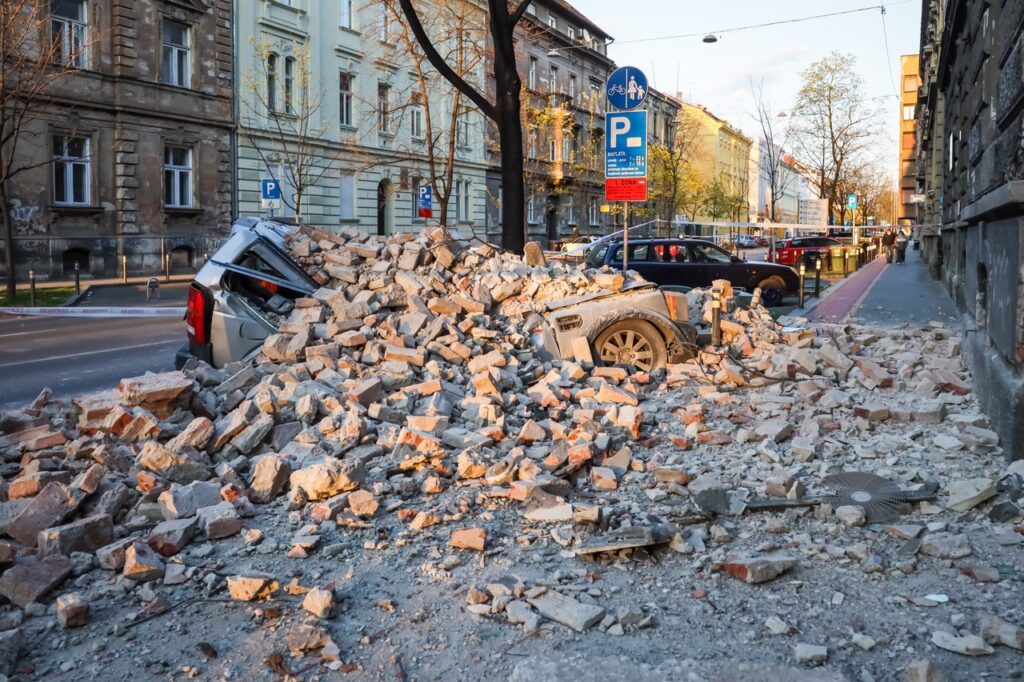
<point>195,316</point>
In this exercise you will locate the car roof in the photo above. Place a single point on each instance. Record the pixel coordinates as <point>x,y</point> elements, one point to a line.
<point>665,240</point>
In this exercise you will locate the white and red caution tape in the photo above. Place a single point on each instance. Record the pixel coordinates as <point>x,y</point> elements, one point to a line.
<point>61,311</point>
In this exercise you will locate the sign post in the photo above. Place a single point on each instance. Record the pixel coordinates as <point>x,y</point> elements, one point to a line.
<point>625,152</point>
<point>851,203</point>
<point>270,194</point>
<point>425,202</point>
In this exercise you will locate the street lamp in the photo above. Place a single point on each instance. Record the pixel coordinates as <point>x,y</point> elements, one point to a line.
<point>710,38</point>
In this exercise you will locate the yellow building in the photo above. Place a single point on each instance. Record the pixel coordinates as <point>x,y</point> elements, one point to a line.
<point>722,154</point>
<point>909,83</point>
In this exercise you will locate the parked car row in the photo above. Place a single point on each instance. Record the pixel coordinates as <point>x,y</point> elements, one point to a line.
<point>791,251</point>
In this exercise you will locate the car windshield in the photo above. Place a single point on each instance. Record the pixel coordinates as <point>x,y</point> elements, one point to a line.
<point>636,252</point>
<point>708,253</point>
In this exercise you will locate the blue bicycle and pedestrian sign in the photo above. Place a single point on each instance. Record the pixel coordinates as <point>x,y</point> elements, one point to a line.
<point>626,88</point>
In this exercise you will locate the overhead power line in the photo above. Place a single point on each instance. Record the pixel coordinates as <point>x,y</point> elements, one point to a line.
<point>888,57</point>
<point>764,25</point>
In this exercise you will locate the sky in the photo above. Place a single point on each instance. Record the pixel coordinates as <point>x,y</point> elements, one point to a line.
<point>719,75</point>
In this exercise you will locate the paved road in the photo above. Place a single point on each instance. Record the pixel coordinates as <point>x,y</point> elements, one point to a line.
<point>74,356</point>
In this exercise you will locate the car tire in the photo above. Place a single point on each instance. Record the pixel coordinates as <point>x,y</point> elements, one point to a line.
<point>773,290</point>
<point>631,343</point>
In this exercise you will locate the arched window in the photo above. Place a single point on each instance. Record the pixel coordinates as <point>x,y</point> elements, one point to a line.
<point>289,85</point>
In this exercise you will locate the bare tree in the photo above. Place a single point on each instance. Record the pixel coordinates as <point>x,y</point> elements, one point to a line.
<point>35,55</point>
<point>454,29</point>
<point>834,125</point>
<point>505,110</point>
<point>772,151</point>
<point>669,166</point>
<point>285,109</point>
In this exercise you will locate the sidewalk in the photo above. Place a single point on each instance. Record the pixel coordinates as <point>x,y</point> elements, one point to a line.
<point>888,295</point>
<point>907,294</point>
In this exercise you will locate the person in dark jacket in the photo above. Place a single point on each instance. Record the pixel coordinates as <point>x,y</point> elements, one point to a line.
<point>889,243</point>
<point>902,240</point>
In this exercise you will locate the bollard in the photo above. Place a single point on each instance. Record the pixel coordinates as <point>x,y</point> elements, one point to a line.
<point>32,288</point>
<point>78,280</point>
<point>124,269</point>
<point>803,272</point>
<point>167,268</point>
<point>153,289</point>
<point>716,319</point>
<point>817,278</point>
<point>846,262</point>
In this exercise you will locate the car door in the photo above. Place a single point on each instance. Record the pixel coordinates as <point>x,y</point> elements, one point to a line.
<point>713,262</point>
<point>638,260</point>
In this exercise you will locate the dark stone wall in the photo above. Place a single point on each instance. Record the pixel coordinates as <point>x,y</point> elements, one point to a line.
<point>982,82</point>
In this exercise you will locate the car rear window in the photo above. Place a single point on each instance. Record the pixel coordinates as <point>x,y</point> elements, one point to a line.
<point>669,253</point>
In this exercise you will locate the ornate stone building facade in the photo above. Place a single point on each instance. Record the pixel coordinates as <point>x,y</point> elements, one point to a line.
<point>133,159</point>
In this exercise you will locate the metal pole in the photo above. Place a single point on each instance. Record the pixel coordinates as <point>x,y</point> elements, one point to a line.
<point>716,319</point>
<point>167,267</point>
<point>817,277</point>
<point>32,288</point>
<point>124,268</point>
<point>803,271</point>
<point>78,281</point>
<point>625,236</point>
<point>846,262</point>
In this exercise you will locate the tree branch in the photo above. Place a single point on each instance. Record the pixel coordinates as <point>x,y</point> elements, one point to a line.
<point>439,63</point>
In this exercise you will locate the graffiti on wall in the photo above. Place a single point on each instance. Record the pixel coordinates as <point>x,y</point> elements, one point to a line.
<point>26,218</point>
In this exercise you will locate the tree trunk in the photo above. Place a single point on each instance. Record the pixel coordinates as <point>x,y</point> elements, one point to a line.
<point>508,110</point>
<point>12,284</point>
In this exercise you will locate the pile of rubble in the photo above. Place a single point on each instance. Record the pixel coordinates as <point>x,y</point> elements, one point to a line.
<point>403,404</point>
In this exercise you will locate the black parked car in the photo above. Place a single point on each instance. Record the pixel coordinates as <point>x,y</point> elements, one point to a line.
<point>697,263</point>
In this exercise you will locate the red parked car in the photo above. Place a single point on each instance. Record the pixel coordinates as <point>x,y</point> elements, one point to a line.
<point>791,251</point>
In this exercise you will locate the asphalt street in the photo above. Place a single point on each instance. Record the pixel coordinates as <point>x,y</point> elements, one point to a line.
<point>74,356</point>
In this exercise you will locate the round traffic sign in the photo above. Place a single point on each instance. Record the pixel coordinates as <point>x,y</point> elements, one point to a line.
<point>626,88</point>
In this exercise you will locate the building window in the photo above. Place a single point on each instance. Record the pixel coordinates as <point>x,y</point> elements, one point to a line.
<point>572,86</point>
<point>531,213</point>
<point>346,196</point>
<point>553,83</point>
<point>908,112</point>
<point>571,32</point>
<point>289,85</point>
<point>385,23</point>
<point>909,83</point>
<point>566,149</point>
<point>71,171</point>
<point>551,150</point>
<point>462,130</point>
<point>531,10</point>
<point>177,177</point>
<point>531,79</point>
<point>345,99</point>
<point>384,108</point>
<point>570,211</point>
<point>346,14</point>
<point>69,30</point>
<point>416,122</point>
<point>176,67</point>
<point>272,82</point>
<point>466,194</point>
<point>552,21</point>
<point>592,213</point>
<point>455,200</point>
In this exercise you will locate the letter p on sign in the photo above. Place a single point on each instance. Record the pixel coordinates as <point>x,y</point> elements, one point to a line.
<point>620,126</point>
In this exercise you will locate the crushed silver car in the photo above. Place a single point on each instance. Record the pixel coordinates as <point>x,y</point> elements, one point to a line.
<point>249,287</point>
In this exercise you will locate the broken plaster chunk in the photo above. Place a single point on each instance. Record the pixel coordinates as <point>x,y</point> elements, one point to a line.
<point>810,653</point>
<point>967,645</point>
<point>252,586</point>
<point>567,611</point>
<point>759,569</point>
<point>469,538</point>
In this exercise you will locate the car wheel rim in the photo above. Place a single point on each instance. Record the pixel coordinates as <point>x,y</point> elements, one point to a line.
<point>628,348</point>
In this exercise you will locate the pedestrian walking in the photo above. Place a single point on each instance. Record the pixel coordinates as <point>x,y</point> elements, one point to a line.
<point>889,243</point>
<point>902,241</point>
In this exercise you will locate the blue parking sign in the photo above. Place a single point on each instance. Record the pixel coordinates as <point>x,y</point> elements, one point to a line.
<point>270,188</point>
<point>425,202</point>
